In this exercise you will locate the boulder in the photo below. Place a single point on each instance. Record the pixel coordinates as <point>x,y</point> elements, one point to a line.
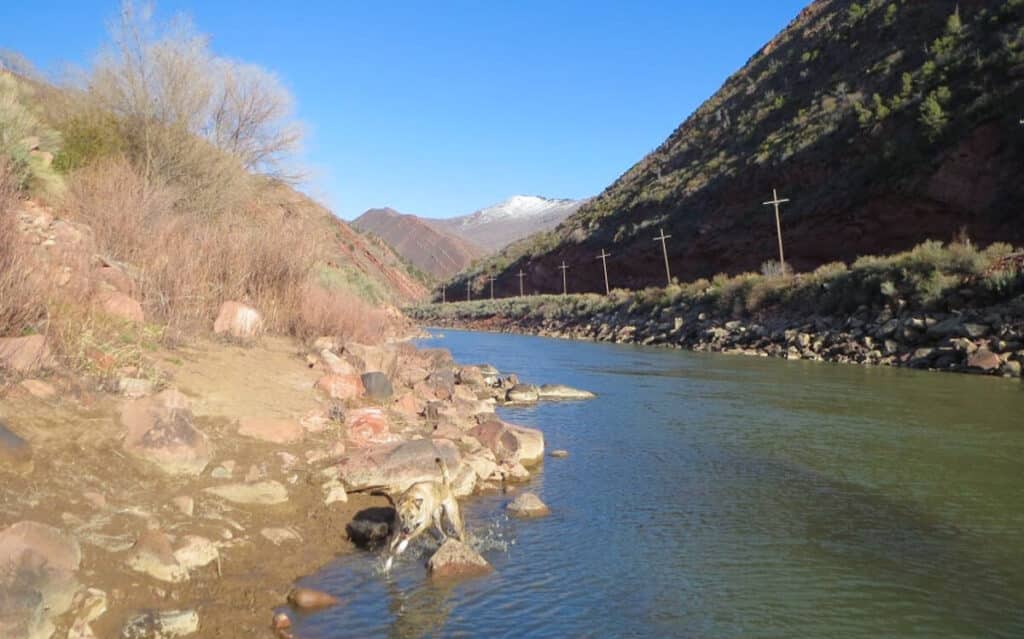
<point>951,327</point>
<point>408,405</point>
<point>159,430</point>
<point>442,383</point>
<point>238,320</point>
<point>309,599</point>
<point>153,555</point>
<point>15,452</point>
<point>517,444</point>
<point>374,358</point>
<point>341,387</point>
<point>117,304</point>
<point>37,578</point>
<point>527,505</point>
<point>471,376</point>
<point>262,493</point>
<point>336,365</point>
<point>377,385</point>
<point>194,551</point>
<point>522,393</point>
<point>559,391</point>
<point>397,466</point>
<point>368,427</point>
<point>270,429</point>
<point>25,354</point>
<point>456,559</point>
<point>984,359</point>
<point>975,331</point>
<point>161,624</point>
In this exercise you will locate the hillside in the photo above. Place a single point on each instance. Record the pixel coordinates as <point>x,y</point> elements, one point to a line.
<point>884,123</point>
<point>495,227</point>
<point>426,246</point>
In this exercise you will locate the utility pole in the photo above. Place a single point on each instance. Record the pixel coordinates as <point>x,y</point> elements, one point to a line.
<point>521,276</point>
<point>469,284</point>
<point>492,286</point>
<point>604,263</point>
<point>775,201</point>
<point>664,251</point>
<point>565,286</point>
<point>443,300</point>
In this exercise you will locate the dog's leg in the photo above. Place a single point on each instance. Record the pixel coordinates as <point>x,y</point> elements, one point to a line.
<point>454,517</point>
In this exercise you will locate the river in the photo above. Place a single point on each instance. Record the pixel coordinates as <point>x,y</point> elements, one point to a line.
<point>726,496</point>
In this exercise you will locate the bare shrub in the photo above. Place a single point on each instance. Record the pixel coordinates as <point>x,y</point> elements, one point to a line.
<point>189,116</point>
<point>339,313</point>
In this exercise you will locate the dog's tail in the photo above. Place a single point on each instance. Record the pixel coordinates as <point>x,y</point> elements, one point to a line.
<point>444,471</point>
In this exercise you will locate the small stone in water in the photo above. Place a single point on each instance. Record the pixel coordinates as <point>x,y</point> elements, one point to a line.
<point>307,598</point>
<point>560,453</point>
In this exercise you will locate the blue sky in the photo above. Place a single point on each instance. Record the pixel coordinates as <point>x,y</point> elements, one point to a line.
<point>441,108</point>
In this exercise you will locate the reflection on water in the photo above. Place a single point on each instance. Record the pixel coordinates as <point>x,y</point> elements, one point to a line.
<point>723,496</point>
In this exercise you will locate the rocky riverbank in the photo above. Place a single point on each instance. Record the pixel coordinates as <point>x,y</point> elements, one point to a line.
<point>189,506</point>
<point>987,340</point>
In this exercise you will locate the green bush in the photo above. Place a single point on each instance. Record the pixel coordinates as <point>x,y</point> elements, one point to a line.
<point>87,139</point>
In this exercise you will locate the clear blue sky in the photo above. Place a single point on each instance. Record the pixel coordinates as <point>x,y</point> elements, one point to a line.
<point>440,108</point>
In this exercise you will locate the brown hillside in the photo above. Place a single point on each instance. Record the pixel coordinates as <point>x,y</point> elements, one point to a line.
<point>430,249</point>
<point>885,123</point>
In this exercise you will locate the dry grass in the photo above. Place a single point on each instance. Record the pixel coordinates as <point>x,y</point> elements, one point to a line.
<point>185,265</point>
<point>22,308</point>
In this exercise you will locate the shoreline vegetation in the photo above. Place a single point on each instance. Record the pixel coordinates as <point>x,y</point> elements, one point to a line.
<point>949,307</point>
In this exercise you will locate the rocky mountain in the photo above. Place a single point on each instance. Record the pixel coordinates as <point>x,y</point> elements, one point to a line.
<point>424,244</point>
<point>883,123</point>
<point>517,217</point>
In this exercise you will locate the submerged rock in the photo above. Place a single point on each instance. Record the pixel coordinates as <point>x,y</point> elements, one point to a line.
<point>524,393</point>
<point>159,430</point>
<point>560,391</point>
<point>263,493</point>
<point>456,559</point>
<point>37,578</point>
<point>161,624</point>
<point>15,452</point>
<point>310,599</point>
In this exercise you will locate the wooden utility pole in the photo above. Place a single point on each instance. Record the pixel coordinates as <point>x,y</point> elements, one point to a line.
<point>469,285</point>
<point>565,286</point>
<point>604,263</point>
<point>521,276</point>
<point>491,278</point>
<point>775,201</point>
<point>664,251</point>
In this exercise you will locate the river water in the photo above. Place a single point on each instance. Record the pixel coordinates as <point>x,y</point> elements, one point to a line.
<point>725,496</point>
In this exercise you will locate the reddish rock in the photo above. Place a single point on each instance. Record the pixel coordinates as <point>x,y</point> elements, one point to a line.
<point>238,320</point>
<point>342,387</point>
<point>398,465</point>
<point>269,429</point>
<point>159,430</point>
<point>25,354</point>
<point>367,427</point>
<point>408,405</point>
<point>984,359</point>
<point>516,444</point>
<point>120,305</point>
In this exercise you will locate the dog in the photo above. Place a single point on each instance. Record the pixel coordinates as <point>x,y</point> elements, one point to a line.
<point>422,505</point>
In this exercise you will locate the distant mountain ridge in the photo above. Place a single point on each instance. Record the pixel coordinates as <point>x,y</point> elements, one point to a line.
<point>444,247</point>
<point>431,249</point>
<point>497,226</point>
